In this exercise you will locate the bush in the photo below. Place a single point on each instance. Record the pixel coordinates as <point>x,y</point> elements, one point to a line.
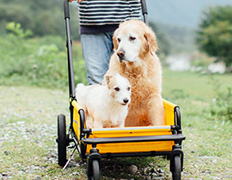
<point>215,33</point>
<point>37,61</point>
<point>221,106</point>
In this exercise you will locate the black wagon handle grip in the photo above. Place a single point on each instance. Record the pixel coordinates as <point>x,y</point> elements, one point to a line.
<point>66,9</point>
<point>144,10</point>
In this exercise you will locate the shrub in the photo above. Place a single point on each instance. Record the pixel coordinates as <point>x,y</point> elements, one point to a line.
<point>221,106</point>
<point>215,33</point>
<point>37,61</point>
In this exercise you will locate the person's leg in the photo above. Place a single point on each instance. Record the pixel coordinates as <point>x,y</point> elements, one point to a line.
<point>97,49</point>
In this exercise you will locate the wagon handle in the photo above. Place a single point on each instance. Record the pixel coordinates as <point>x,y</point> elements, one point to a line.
<point>69,50</point>
<point>66,9</point>
<point>144,10</point>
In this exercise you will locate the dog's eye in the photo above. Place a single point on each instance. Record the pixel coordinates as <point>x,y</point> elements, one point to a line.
<point>132,38</point>
<point>119,40</point>
<point>128,88</point>
<point>117,89</point>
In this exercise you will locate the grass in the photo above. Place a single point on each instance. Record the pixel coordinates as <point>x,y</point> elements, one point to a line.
<point>28,115</point>
<point>28,132</point>
<point>207,147</point>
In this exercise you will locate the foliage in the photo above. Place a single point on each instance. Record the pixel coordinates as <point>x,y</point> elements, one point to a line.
<point>36,61</point>
<point>41,17</point>
<point>221,106</point>
<point>46,18</point>
<point>215,33</point>
<point>17,30</point>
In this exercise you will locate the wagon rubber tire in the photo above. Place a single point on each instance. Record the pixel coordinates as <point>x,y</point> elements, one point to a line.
<point>95,171</point>
<point>61,140</point>
<point>176,174</point>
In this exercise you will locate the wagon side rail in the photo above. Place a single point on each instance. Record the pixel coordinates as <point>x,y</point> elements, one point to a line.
<point>95,141</point>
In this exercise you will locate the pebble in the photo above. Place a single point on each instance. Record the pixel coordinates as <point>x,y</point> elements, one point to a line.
<point>157,178</point>
<point>132,169</point>
<point>6,152</point>
<point>4,174</point>
<point>37,178</point>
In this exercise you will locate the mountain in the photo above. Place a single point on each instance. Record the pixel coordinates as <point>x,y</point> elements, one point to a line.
<point>186,13</point>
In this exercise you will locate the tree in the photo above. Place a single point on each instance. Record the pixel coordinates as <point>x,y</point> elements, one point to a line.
<point>215,33</point>
<point>41,17</point>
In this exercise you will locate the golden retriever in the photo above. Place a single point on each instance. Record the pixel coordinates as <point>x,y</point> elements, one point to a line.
<point>135,58</point>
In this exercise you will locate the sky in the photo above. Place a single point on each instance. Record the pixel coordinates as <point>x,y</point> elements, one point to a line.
<point>185,13</point>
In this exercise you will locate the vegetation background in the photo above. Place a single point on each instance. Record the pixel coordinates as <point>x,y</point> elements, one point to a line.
<point>34,89</point>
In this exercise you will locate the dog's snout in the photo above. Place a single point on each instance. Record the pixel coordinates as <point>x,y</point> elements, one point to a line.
<point>121,54</point>
<point>125,100</point>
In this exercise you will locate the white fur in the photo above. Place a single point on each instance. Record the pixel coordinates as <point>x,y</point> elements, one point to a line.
<point>129,43</point>
<point>103,105</point>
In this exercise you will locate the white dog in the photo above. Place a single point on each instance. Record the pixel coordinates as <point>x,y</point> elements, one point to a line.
<point>105,106</point>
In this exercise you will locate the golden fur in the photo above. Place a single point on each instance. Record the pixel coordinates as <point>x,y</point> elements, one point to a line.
<point>146,107</point>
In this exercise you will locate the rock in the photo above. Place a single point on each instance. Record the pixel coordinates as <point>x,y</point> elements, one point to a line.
<point>132,169</point>
<point>145,170</point>
<point>154,174</point>
<point>157,178</point>
<point>160,170</point>
<point>4,174</point>
<point>75,173</point>
<point>37,178</point>
<point>151,164</point>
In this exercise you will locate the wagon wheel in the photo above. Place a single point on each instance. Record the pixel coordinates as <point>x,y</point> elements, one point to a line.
<point>96,170</point>
<point>61,140</point>
<point>176,174</point>
<point>95,173</point>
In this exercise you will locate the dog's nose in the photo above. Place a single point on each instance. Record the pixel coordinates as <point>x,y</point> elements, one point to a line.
<point>121,54</point>
<point>125,100</point>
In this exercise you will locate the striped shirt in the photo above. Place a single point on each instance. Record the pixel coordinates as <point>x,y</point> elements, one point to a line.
<point>108,12</point>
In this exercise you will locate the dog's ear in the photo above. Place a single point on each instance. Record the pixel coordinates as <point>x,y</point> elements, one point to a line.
<point>108,79</point>
<point>115,41</point>
<point>150,38</point>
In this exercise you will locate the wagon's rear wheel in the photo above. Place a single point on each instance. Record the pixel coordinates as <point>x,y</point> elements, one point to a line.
<point>61,140</point>
<point>176,174</point>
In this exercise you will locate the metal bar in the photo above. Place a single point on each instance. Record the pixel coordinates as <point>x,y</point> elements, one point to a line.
<point>144,10</point>
<point>69,51</point>
<point>175,137</point>
<point>133,128</point>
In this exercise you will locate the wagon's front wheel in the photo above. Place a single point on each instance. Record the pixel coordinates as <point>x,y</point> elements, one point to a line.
<point>61,140</point>
<point>94,173</point>
<point>176,174</point>
<point>96,170</point>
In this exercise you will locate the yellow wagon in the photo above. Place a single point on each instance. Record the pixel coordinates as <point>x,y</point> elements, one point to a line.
<point>94,144</point>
